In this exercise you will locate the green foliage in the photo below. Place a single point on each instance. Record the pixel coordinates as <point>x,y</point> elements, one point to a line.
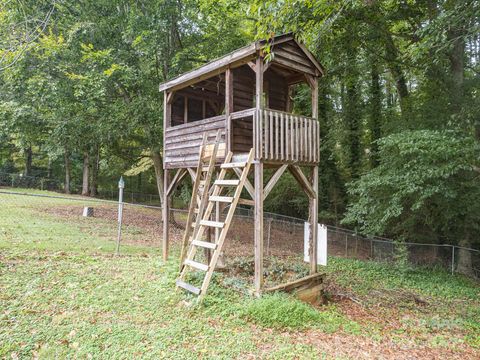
<point>84,302</point>
<point>422,185</point>
<point>363,277</point>
<point>280,311</point>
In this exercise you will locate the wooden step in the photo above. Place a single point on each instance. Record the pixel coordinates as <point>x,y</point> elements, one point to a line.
<point>246,202</point>
<point>196,265</point>
<point>188,287</point>
<point>233,165</point>
<point>205,168</point>
<point>205,244</point>
<point>225,199</point>
<point>215,224</point>
<point>227,182</point>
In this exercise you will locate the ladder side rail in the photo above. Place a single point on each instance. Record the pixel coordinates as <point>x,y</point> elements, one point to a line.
<point>204,197</point>
<point>206,215</point>
<point>223,234</point>
<point>193,202</point>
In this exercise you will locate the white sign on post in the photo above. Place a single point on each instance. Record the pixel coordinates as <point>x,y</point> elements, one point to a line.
<point>321,244</point>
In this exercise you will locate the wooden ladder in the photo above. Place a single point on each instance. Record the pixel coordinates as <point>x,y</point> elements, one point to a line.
<point>201,185</point>
<point>215,197</point>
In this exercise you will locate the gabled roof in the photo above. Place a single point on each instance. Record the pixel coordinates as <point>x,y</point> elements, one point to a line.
<point>236,58</point>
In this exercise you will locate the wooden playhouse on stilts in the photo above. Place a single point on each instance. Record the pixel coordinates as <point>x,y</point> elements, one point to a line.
<point>224,123</point>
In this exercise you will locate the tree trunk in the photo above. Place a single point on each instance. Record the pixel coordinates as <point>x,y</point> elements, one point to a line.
<point>393,61</point>
<point>28,161</point>
<point>457,69</point>
<point>352,113</point>
<point>86,175</point>
<point>49,168</point>
<point>375,113</point>
<point>465,265</point>
<point>66,157</point>
<point>158,166</point>
<point>95,169</point>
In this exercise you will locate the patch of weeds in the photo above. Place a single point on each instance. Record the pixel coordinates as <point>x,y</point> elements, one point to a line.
<point>473,337</point>
<point>440,323</point>
<point>244,265</point>
<point>282,311</point>
<point>364,276</point>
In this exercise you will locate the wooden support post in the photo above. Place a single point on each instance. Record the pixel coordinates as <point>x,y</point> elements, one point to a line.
<point>229,107</point>
<point>258,199</point>
<point>165,214</point>
<point>258,219</point>
<point>313,217</point>
<point>167,115</point>
<point>314,87</point>
<point>185,110</point>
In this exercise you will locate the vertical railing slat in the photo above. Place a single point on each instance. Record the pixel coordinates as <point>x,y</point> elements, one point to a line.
<point>282,142</point>
<point>277,130</point>
<point>297,142</point>
<point>292,137</point>
<point>266,133</point>
<point>271,135</point>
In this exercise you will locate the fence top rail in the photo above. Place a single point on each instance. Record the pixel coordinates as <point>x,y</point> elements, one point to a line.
<point>289,114</point>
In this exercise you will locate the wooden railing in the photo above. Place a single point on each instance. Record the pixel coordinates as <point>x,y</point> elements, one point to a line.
<point>280,136</point>
<point>183,141</point>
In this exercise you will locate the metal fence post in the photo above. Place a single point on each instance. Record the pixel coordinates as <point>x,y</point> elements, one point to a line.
<point>121,185</point>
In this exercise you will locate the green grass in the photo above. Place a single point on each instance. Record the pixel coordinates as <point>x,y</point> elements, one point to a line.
<point>63,294</point>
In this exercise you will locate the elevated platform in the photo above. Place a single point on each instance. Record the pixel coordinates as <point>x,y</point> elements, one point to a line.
<point>278,138</point>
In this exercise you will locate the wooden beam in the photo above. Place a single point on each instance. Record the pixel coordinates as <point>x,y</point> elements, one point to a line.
<point>213,68</point>
<point>185,110</point>
<point>308,280</point>
<point>313,217</point>
<point>176,181</point>
<point>273,180</point>
<point>258,219</point>
<point>266,66</point>
<point>170,97</point>
<point>314,88</point>
<point>165,215</point>
<point>258,142</point>
<point>252,65</point>
<point>228,108</point>
<point>192,173</point>
<point>247,185</point>
<point>310,80</point>
<point>302,180</point>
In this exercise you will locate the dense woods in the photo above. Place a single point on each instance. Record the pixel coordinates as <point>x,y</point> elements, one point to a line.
<point>399,106</point>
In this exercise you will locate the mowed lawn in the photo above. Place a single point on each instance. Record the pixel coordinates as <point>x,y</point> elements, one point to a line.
<point>64,294</point>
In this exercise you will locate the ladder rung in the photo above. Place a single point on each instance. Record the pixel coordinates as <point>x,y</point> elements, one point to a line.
<point>233,165</point>
<point>225,199</point>
<point>205,168</point>
<point>227,182</point>
<point>246,202</point>
<point>196,265</point>
<point>205,244</point>
<point>188,287</point>
<point>216,224</point>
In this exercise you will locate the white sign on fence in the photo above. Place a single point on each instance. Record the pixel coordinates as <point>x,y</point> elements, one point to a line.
<point>321,244</point>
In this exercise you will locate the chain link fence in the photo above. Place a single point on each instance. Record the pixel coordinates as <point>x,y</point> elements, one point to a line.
<point>22,210</point>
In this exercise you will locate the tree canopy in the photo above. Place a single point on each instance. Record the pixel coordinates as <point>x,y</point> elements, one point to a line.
<point>399,107</point>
